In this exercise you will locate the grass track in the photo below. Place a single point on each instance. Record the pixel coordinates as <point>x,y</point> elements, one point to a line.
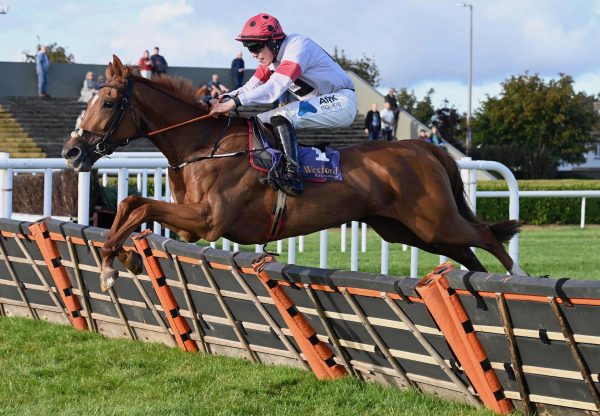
<point>51,369</point>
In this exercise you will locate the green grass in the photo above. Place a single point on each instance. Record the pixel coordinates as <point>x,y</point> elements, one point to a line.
<point>50,369</point>
<point>558,251</point>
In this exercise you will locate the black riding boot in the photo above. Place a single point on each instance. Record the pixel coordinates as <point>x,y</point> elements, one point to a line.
<point>291,181</point>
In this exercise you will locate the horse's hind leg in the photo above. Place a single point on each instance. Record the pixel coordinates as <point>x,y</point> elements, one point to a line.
<point>489,242</point>
<point>395,232</point>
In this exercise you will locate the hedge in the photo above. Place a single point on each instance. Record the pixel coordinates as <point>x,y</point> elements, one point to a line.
<point>538,211</point>
<point>534,211</point>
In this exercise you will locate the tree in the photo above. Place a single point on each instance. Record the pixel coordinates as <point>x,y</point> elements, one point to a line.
<point>534,126</point>
<point>56,54</point>
<point>451,124</point>
<point>422,109</point>
<point>366,68</point>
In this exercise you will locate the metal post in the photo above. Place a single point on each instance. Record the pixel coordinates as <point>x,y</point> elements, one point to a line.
<point>8,191</point>
<point>301,244</point>
<point>279,246</point>
<point>226,244</point>
<point>157,193</point>
<point>236,247</point>
<point>469,79</point>
<point>414,262</point>
<point>144,190</point>
<point>83,198</point>
<point>354,247</point>
<point>582,224</point>
<point>385,250</point>
<point>292,250</point>
<point>139,182</point>
<point>363,243</point>
<point>122,185</point>
<point>343,238</point>
<point>3,196</point>
<point>167,198</point>
<point>323,249</point>
<point>47,192</point>
<point>104,179</point>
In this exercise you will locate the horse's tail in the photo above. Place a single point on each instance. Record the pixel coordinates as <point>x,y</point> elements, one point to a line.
<point>503,230</point>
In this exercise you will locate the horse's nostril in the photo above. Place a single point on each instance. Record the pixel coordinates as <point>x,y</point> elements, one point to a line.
<point>72,153</point>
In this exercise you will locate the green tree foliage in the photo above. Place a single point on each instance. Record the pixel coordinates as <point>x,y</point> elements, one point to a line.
<point>365,67</point>
<point>56,54</point>
<point>451,124</point>
<point>422,110</point>
<point>534,126</point>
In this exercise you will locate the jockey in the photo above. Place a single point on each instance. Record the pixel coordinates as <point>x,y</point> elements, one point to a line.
<point>325,93</point>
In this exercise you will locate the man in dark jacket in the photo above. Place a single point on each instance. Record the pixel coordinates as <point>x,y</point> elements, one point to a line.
<point>237,71</point>
<point>373,123</point>
<point>159,63</point>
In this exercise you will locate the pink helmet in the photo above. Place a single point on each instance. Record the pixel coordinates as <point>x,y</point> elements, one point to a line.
<point>262,27</point>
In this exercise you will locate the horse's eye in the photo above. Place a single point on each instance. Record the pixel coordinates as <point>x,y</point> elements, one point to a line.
<point>108,104</point>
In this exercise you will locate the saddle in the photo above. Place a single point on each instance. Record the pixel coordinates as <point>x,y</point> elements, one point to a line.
<point>317,163</point>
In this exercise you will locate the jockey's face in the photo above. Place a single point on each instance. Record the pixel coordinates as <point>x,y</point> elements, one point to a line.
<point>265,56</point>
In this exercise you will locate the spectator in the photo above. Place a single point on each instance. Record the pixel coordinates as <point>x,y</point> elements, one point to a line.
<point>215,87</point>
<point>390,98</point>
<point>387,122</point>
<point>145,64</point>
<point>42,64</point>
<point>237,71</point>
<point>423,136</point>
<point>373,123</point>
<point>159,63</point>
<point>101,81</point>
<point>435,136</point>
<point>89,89</point>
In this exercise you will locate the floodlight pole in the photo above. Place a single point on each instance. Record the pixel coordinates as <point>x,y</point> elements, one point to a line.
<point>470,78</point>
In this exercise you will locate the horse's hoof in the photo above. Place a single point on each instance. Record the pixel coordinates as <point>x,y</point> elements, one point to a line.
<point>134,263</point>
<point>108,277</point>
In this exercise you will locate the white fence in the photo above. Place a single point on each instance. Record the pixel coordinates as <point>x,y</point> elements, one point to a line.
<point>143,164</point>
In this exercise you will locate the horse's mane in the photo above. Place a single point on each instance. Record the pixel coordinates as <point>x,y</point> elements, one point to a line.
<point>180,87</point>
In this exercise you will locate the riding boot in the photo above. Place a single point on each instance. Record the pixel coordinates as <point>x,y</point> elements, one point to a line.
<point>291,181</point>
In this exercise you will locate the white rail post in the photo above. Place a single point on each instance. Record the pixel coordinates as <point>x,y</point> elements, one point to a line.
<point>279,246</point>
<point>291,250</point>
<point>323,249</point>
<point>385,256</point>
<point>582,224</point>
<point>3,188</point>
<point>301,244</point>
<point>443,259</point>
<point>354,247</point>
<point>414,262</point>
<point>236,247</point>
<point>363,242</point>
<point>213,244</point>
<point>47,192</point>
<point>8,189</point>
<point>168,198</point>
<point>83,198</point>
<point>258,248</point>
<point>104,179</point>
<point>343,238</point>
<point>139,182</point>
<point>144,190</point>
<point>158,194</point>
<point>226,244</point>
<point>122,185</point>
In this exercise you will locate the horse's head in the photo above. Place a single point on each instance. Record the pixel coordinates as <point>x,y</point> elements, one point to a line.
<point>109,121</point>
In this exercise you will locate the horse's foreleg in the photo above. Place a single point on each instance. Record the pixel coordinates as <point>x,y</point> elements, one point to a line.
<point>177,216</point>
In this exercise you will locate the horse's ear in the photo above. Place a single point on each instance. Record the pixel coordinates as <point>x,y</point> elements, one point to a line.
<point>118,66</point>
<point>110,73</point>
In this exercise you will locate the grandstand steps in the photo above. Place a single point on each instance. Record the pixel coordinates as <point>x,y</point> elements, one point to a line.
<point>14,139</point>
<point>49,122</point>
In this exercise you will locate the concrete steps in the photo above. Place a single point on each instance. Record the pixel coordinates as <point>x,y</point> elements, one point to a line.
<point>48,123</point>
<point>15,140</point>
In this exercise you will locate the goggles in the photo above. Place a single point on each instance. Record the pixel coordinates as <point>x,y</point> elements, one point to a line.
<point>254,47</point>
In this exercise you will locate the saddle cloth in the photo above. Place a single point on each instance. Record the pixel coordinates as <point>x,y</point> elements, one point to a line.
<point>316,164</point>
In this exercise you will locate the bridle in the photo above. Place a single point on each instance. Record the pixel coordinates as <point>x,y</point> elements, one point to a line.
<point>104,147</point>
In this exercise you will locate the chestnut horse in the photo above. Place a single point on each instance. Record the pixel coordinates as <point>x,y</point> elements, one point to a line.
<point>408,191</point>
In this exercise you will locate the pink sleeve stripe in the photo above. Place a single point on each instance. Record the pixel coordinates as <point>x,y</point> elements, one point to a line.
<point>289,69</point>
<point>262,74</point>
